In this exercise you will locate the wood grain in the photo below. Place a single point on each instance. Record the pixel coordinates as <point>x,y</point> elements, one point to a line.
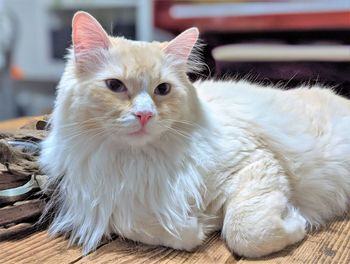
<point>125,251</point>
<point>16,123</point>
<point>38,248</point>
<point>331,245</point>
<point>15,232</point>
<point>22,212</point>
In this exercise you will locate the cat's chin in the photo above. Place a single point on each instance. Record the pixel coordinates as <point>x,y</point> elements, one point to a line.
<point>138,133</point>
<point>135,139</point>
<point>139,138</point>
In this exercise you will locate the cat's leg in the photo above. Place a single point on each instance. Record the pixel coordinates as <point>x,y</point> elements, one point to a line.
<point>259,219</point>
<point>187,237</point>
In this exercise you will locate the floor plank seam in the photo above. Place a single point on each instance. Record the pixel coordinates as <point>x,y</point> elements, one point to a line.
<point>98,247</point>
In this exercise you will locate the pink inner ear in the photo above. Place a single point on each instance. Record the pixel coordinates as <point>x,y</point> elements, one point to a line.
<point>87,33</point>
<point>181,46</point>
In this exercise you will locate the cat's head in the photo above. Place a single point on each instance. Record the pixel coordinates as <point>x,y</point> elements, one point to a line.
<point>131,91</point>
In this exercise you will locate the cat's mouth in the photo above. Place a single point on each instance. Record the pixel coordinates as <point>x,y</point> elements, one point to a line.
<point>139,132</point>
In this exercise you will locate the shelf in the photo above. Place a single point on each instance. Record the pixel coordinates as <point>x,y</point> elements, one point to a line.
<point>263,16</point>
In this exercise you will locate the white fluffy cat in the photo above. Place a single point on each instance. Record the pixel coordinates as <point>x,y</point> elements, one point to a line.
<point>138,150</point>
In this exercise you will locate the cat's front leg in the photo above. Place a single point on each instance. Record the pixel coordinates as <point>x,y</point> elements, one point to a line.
<point>187,237</point>
<point>259,218</point>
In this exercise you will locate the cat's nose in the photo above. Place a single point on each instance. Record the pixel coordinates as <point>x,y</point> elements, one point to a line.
<point>144,117</point>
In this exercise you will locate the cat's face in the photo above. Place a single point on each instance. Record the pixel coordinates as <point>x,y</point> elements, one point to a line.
<point>130,91</point>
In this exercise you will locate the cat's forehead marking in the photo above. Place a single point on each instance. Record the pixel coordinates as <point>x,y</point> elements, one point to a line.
<point>141,82</point>
<point>139,61</point>
<point>138,50</point>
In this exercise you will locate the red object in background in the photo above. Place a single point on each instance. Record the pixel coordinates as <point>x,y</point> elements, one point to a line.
<point>317,19</point>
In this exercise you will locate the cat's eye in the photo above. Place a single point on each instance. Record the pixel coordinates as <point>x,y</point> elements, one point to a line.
<point>162,89</point>
<point>115,85</point>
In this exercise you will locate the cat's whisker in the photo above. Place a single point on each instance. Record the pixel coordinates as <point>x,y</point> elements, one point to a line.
<point>177,132</point>
<point>172,131</point>
<point>90,121</point>
<point>180,129</point>
<point>71,138</point>
<point>185,122</point>
<point>86,144</point>
<point>188,123</point>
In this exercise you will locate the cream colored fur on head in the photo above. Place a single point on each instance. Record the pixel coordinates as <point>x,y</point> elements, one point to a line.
<point>260,164</point>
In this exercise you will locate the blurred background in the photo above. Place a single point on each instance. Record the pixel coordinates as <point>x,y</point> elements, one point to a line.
<point>272,42</point>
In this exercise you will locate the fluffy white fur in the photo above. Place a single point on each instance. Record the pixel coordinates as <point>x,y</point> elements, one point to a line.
<point>261,164</point>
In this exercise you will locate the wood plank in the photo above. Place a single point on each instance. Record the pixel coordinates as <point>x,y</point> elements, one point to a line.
<point>330,245</point>
<point>125,251</point>
<point>18,231</point>
<point>38,248</point>
<point>14,124</point>
<point>9,180</point>
<point>21,213</point>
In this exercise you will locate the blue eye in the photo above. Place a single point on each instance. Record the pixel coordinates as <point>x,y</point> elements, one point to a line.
<point>162,89</point>
<point>116,85</point>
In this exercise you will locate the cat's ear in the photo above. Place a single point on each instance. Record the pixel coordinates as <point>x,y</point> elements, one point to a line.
<point>181,46</point>
<point>87,33</point>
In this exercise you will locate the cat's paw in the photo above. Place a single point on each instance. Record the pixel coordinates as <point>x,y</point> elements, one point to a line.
<point>295,226</point>
<point>270,235</point>
<point>189,238</point>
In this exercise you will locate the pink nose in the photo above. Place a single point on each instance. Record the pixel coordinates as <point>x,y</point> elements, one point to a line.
<point>144,117</point>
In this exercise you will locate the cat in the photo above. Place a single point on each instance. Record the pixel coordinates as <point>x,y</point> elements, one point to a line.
<point>136,149</point>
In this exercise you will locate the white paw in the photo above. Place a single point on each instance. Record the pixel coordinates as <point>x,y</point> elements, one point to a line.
<point>295,226</point>
<point>189,238</point>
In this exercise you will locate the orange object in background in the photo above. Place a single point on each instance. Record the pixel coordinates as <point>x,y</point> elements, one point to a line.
<point>16,73</point>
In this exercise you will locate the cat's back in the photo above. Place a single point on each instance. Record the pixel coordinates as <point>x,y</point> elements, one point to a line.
<point>303,124</point>
<point>245,91</point>
<point>307,129</point>
<point>230,92</point>
<point>234,100</point>
<point>315,105</point>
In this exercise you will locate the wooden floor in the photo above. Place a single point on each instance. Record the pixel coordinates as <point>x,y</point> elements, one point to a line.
<point>330,245</point>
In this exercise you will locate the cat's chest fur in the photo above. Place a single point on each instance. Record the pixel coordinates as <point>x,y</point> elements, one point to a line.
<point>158,188</point>
<point>157,191</point>
<point>167,187</point>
